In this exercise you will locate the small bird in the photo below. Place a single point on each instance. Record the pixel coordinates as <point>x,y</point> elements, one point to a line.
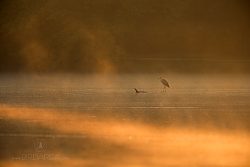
<point>139,91</point>
<point>165,83</point>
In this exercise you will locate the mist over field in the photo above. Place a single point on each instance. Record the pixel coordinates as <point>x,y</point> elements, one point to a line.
<point>116,36</point>
<point>124,83</point>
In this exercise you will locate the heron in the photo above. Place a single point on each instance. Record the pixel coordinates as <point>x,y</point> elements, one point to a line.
<point>165,83</point>
<point>139,91</point>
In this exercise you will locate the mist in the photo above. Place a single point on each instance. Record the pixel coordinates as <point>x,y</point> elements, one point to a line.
<point>124,36</point>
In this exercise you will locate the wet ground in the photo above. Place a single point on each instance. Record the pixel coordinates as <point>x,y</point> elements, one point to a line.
<point>96,120</point>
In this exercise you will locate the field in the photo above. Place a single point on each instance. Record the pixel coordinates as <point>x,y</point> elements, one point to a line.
<point>94,120</point>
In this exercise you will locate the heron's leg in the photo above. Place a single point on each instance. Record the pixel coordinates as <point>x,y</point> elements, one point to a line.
<point>164,88</point>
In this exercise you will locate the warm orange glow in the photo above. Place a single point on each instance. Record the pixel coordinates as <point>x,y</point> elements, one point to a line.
<point>174,146</point>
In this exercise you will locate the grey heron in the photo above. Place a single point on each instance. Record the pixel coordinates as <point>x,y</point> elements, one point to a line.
<point>139,91</point>
<point>165,83</point>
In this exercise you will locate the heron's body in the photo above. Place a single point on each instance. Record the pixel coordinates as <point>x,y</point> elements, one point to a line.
<point>165,83</point>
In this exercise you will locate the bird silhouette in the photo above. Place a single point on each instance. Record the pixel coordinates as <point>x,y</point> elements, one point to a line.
<point>139,91</point>
<point>165,83</point>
